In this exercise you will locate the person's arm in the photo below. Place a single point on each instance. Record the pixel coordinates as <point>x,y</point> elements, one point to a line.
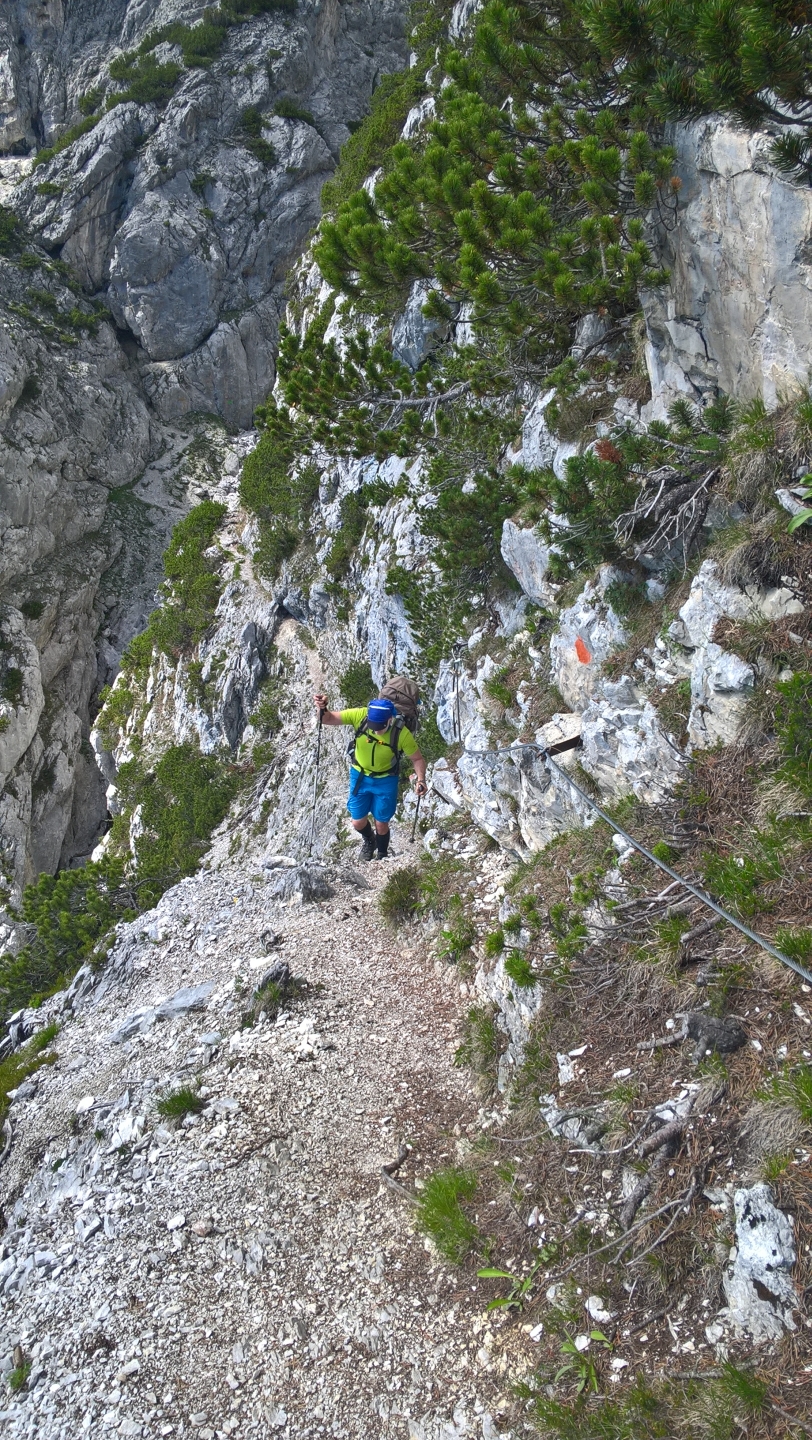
<point>328,717</point>
<point>420,771</point>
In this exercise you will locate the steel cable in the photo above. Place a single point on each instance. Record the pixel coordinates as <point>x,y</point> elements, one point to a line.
<point>698,894</point>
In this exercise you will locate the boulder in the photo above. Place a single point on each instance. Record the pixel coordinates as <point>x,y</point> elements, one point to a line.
<point>525,553</point>
<point>721,687</point>
<point>760,1294</point>
<point>626,750</point>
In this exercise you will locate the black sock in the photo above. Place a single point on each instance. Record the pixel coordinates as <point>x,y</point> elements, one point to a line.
<point>383,843</point>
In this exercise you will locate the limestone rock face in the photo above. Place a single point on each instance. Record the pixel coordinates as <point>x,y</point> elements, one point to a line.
<point>737,316</point>
<point>587,633</point>
<point>170,211</point>
<point>182,236</point>
<point>525,553</point>
<point>625,748</point>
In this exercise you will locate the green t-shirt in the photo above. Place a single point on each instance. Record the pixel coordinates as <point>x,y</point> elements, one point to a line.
<point>374,753</point>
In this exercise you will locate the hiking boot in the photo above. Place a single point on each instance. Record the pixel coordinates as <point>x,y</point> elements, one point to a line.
<point>368,846</point>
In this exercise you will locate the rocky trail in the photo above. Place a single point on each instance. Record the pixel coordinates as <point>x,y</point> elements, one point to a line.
<point>244,1269</point>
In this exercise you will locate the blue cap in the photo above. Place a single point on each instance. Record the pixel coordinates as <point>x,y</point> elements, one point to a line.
<point>380,713</point>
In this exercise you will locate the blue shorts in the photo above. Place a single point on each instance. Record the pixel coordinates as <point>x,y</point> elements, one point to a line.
<point>375,795</point>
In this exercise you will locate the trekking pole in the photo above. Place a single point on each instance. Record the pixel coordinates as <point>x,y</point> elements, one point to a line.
<point>414,824</point>
<point>315,788</point>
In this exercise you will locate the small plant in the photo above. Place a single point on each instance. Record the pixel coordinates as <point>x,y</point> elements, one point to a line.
<point>578,1363</point>
<point>480,1047</point>
<point>494,943</point>
<point>440,1214</point>
<point>794,1088</point>
<point>356,684</point>
<point>25,1062</point>
<point>11,685</point>
<point>201,181</point>
<point>400,897</point>
<point>804,516</point>
<point>288,109</point>
<point>251,124</point>
<point>774,1166</point>
<point>520,1285</point>
<point>521,972</point>
<point>178,1103</point>
<point>796,943</point>
<point>457,935</point>
<point>18,1377</point>
<point>32,609</point>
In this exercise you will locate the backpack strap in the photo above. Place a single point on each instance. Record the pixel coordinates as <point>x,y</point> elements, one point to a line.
<point>395,730</point>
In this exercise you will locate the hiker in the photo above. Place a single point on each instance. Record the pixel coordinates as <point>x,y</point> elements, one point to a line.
<point>381,737</point>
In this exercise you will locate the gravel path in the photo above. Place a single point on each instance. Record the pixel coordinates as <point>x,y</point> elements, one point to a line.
<point>245,1271</point>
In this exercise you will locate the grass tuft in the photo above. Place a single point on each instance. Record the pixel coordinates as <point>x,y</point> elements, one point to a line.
<point>795,1089</point>
<point>401,895</point>
<point>440,1214</point>
<point>178,1103</point>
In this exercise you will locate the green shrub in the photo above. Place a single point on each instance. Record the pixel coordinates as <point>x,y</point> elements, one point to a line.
<point>288,109</point>
<point>749,60</point>
<point>11,685</point>
<point>796,943</point>
<point>24,1062</point>
<point>137,656</point>
<point>182,800</point>
<point>440,1214</point>
<point>457,935</point>
<point>494,943</point>
<point>18,1377</point>
<point>69,913</point>
<point>793,1088</point>
<point>75,133</point>
<point>794,728</point>
<point>401,896</point>
<point>178,1103</point>
<point>350,531</point>
<point>192,588</point>
<point>32,609</point>
<point>146,81</point>
<point>356,684</point>
<point>91,100</point>
<point>479,1048</point>
<point>10,231</point>
<point>521,972</point>
<point>251,123</point>
<point>201,181</point>
<point>48,187</point>
<point>280,492</point>
<point>392,100</point>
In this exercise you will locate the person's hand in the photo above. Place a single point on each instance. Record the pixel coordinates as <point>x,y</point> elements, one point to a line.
<point>421,787</point>
<point>320,702</point>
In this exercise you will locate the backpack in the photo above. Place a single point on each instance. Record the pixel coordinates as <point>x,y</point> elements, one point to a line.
<point>405,696</point>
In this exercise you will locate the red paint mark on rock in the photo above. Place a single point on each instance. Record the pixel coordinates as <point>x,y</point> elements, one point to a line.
<point>582,652</point>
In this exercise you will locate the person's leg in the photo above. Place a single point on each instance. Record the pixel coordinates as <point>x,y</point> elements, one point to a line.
<point>383,808</point>
<point>359,804</point>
